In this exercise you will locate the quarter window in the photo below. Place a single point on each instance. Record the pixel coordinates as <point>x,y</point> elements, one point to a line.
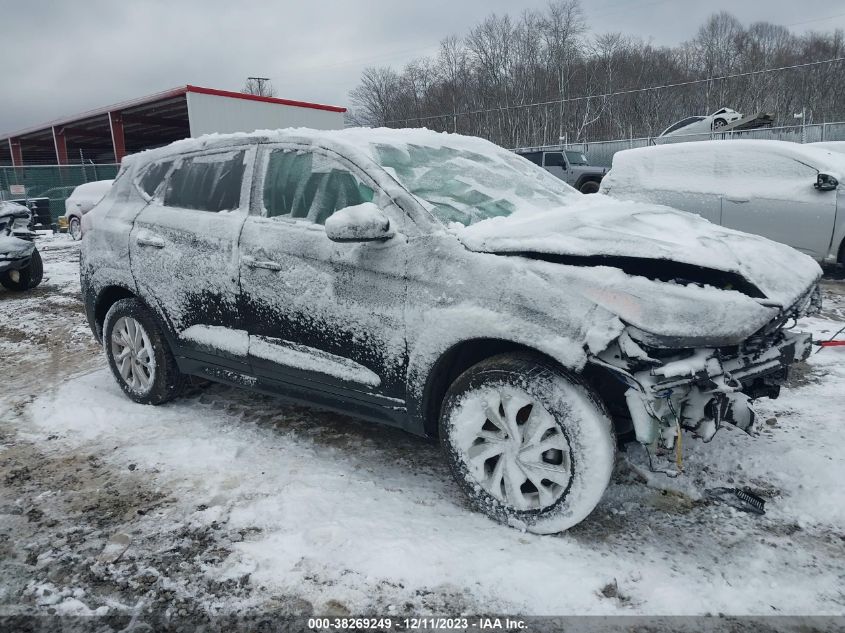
<point>309,186</point>
<point>210,182</point>
<point>534,157</point>
<point>154,176</point>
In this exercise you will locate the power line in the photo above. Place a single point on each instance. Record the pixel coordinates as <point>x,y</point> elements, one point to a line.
<point>617,93</point>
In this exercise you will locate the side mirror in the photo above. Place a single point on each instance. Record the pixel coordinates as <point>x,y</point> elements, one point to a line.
<point>826,182</point>
<point>361,223</point>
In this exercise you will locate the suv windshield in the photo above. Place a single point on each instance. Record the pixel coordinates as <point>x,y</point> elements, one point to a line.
<point>576,158</point>
<point>466,187</point>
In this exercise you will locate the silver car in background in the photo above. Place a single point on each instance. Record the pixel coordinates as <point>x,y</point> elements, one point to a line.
<point>787,192</point>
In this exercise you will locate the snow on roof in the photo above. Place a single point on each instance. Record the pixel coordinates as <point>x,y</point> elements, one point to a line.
<point>818,157</point>
<point>361,139</point>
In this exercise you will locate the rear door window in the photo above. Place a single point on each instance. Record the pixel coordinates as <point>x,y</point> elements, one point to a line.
<point>208,182</point>
<point>310,186</point>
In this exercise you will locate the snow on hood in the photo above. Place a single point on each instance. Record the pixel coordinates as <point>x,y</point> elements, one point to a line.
<point>8,208</point>
<point>15,248</point>
<point>601,226</point>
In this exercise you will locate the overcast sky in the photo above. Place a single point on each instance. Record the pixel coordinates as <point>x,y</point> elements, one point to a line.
<point>67,57</point>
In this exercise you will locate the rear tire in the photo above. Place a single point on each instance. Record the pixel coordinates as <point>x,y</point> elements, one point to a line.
<point>530,444</point>
<point>591,186</point>
<point>719,123</point>
<point>139,356</point>
<point>25,278</point>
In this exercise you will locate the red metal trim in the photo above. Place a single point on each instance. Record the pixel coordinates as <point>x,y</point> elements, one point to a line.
<point>241,95</point>
<point>60,144</point>
<point>117,140</point>
<point>832,343</point>
<point>17,154</point>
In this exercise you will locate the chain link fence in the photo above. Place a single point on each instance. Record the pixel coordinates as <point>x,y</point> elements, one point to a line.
<point>54,182</point>
<point>601,153</point>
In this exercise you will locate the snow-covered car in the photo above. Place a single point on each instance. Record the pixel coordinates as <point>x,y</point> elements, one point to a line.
<point>833,146</point>
<point>784,191</point>
<point>445,286</point>
<point>703,124</point>
<point>80,202</point>
<point>21,267</point>
<point>571,166</point>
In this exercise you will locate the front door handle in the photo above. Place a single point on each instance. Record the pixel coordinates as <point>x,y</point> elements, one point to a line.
<point>147,239</point>
<point>738,200</point>
<point>266,264</point>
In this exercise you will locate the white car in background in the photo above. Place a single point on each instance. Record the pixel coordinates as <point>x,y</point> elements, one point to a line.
<point>80,202</point>
<point>703,124</point>
<point>784,191</point>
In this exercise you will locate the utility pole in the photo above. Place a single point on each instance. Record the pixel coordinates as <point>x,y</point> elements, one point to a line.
<point>260,81</point>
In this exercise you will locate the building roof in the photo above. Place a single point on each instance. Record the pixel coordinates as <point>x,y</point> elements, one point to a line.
<point>162,99</point>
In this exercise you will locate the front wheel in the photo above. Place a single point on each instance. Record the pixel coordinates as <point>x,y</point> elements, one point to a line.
<point>74,228</point>
<point>138,354</point>
<point>591,186</point>
<point>25,278</point>
<point>719,123</point>
<point>531,445</point>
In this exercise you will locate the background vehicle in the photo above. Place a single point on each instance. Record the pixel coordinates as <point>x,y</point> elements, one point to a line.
<point>703,124</point>
<point>80,202</point>
<point>301,263</point>
<point>771,188</point>
<point>570,166</point>
<point>20,262</point>
<point>41,218</point>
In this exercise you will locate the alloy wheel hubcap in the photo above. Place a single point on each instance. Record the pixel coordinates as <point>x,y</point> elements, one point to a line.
<point>133,354</point>
<point>74,228</point>
<point>515,449</point>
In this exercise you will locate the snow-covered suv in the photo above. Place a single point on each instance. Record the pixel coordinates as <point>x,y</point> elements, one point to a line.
<point>440,284</point>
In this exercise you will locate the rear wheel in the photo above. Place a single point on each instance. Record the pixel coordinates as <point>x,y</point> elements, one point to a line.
<point>529,444</point>
<point>74,228</point>
<point>719,123</point>
<point>138,354</point>
<point>25,278</point>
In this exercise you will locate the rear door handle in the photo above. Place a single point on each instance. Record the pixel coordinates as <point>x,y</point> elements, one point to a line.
<point>147,239</point>
<point>738,200</point>
<point>266,264</point>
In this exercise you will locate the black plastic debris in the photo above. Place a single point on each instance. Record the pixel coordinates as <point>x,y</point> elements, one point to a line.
<point>739,498</point>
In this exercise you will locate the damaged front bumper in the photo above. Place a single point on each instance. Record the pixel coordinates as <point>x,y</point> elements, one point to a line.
<point>700,389</point>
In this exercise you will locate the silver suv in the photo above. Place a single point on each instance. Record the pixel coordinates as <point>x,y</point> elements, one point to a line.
<point>445,286</point>
<point>571,166</point>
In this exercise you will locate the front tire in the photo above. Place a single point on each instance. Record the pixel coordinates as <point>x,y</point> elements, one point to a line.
<point>74,228</point>
<point>719,123</point>
<point>139,356</point>
<point>25,278</point>
<point>530,444</point>
<point>591,186</point>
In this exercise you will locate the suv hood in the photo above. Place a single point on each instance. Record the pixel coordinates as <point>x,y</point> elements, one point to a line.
<point>649,240</point>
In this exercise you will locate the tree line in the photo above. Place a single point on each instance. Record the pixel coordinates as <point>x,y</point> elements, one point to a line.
<point>543,77</point>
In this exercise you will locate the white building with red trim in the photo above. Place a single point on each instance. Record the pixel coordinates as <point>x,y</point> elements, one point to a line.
<point>107,134</point>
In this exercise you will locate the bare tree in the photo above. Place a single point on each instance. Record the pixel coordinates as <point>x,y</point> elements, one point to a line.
<point>259,86</point>
<point>523,80</point>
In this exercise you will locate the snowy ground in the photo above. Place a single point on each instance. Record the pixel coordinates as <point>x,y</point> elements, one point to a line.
<point>227,502</point>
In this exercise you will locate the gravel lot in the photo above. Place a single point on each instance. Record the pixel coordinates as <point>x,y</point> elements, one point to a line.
<point>227,502</point>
